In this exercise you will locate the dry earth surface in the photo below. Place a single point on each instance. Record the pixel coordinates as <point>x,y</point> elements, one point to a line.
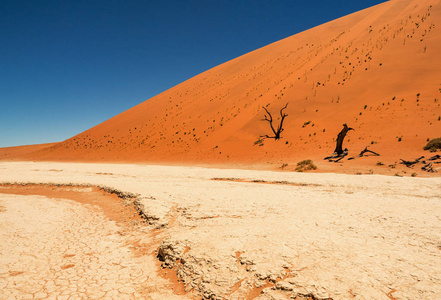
<point>223,233</point>
<point>56,248</point>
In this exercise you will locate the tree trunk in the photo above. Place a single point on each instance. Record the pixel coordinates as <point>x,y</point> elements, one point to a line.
<point>341,136</point>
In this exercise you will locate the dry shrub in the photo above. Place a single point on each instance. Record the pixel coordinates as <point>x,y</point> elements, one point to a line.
<point>433,145</point>
<point>305,165</point>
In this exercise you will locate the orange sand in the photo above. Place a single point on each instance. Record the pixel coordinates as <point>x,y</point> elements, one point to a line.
<point>378,70</point>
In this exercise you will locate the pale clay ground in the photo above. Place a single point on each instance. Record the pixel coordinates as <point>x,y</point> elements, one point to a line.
<point>327,235</point>
<point>60,249</point>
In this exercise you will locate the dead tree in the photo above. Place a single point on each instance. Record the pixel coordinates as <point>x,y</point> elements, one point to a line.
<point>428,168</point>
<point>341,136</point>
<point>435,157</point>
<point>339,152</point>
<point>366,150</point>
<point>411,163</point>
<point>269,118</point>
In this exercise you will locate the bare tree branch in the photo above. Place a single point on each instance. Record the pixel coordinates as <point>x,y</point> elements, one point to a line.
<point>411,163</point>
<point>283,116</point>
<point>269,118</point>
<point>363,152</point>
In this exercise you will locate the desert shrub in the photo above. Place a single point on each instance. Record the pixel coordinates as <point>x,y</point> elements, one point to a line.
<point>433,145</point>
<point>305,165</point>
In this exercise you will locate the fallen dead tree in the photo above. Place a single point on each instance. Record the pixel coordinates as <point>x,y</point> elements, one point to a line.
<point>409,163</point>
<point>362,153</point>
<point>428,168</point>
<point>428,165</point>
<point>435,158</point>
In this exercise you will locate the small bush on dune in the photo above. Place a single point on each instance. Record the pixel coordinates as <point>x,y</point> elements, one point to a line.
<point>433,145</point>
<point>305,165</point>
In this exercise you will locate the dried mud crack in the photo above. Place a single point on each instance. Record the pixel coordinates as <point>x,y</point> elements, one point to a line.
<point>181,234</point>
<point>89,241</point>
<point>77,241</point>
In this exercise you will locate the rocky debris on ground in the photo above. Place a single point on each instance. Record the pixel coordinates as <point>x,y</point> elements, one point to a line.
<point>198,273</point>
<point>290,289</point>
<point>221,276</point>
<point>121,194</point>
<point>155,212</point>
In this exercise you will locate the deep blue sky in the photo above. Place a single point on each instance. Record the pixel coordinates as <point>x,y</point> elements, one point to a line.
<point>66,66</point>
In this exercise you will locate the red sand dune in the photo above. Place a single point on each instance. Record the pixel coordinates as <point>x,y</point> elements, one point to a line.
<point>12,153</point>
<point>378,70</point>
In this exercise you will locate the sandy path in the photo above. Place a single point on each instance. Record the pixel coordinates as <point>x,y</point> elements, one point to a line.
<point>278,234</point>
<point>61,249</point>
